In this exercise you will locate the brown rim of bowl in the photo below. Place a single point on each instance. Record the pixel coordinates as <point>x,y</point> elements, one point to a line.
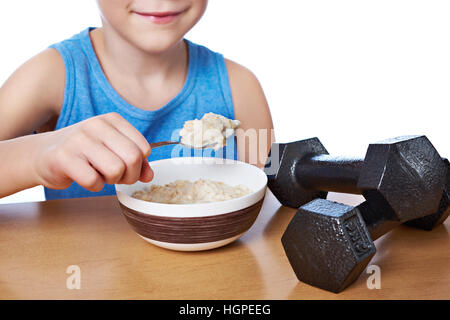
<point>192,229</point>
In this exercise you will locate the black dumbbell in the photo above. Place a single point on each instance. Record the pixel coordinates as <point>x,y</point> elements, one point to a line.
<point>404,175</point>
<point>329,244</point>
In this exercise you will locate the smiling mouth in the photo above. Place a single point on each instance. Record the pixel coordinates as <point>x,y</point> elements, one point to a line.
<point>160,17</point>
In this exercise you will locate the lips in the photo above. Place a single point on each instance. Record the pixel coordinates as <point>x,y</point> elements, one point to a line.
<point>160,17</point>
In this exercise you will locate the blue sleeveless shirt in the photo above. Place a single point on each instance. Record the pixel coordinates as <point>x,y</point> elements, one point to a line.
<point>88,93</point>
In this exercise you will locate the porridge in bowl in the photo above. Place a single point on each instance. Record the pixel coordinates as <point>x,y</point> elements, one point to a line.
<point>187,192</point>
<point>195,226</point>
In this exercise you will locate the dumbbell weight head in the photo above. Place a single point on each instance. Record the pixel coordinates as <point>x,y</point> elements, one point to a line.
<point>280,170</point>
<point>328,244</point>
<point>404,176</point>
<point>431,221</point>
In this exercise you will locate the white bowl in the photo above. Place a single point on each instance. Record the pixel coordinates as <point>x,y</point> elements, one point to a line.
<point>202,226</point>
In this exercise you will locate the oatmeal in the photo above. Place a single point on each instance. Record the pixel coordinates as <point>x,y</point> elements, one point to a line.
<point>212,130</point>
<point>185,192</point>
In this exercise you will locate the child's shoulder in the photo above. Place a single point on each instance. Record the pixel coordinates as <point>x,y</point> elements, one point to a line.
<point>75,42</point>
<point>240,74</point>
<point>244,84</point>
<point>44,76</point>
<point>248,97</point>
<point>39,83</point>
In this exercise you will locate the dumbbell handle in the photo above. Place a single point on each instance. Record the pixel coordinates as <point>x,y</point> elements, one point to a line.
<point>329,173</point>
<point>340,174</point>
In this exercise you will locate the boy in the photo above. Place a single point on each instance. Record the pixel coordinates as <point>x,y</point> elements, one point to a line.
<point>99,97</point>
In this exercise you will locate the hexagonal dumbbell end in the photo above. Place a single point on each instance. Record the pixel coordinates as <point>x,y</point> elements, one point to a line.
<point>406,174</point>
<point>328,244</point>
<point>280,171</point>
<point>433,220</point>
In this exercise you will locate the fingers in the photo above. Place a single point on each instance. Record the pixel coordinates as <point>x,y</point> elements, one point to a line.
<point>105,162</point>
<point>125,139</point>
<point>82,173</point>
<point>130,155</point>
<point>129,131</point>
<point>118,151</point>
<point>146,172</point>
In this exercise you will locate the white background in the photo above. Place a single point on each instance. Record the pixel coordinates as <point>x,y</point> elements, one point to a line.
<point>349,72</point>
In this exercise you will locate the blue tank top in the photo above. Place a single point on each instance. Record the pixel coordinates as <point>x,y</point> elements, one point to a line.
<point>88,93</point>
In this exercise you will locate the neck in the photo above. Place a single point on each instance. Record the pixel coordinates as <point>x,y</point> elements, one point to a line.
<point>130,61</point>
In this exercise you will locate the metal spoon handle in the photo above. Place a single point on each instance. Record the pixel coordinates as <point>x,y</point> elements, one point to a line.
<point>165,143</point>
<point>162,143</point>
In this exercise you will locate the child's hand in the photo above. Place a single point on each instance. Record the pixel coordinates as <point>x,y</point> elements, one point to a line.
<point>99,150</point>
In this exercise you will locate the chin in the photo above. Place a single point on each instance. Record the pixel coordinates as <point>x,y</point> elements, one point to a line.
<point>155,42</point>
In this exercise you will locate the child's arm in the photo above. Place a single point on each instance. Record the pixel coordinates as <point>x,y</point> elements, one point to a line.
<point>255,136</point>
<point>102,149</point>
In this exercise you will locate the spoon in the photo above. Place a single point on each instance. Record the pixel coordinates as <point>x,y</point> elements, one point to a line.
<point>165,143</point>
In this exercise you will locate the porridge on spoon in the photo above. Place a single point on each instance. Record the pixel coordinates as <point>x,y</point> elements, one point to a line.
<point>211,130</point>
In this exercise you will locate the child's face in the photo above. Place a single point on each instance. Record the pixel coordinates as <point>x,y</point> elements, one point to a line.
<point>151,25</point>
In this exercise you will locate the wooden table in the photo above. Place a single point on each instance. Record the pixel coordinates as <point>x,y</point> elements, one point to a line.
<point>38,241</point>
